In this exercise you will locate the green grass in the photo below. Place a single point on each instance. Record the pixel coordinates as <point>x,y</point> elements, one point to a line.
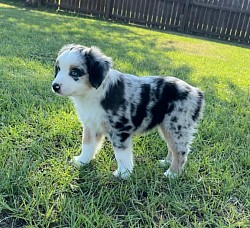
<point>40,132</point>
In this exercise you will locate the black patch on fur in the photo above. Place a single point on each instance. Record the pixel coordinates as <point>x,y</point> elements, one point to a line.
<point>132,109</point>
<point>127,128</point>
<point>124,136</point>
<point>114,98</point>
<point>157,92</point>
<point>118,139</point>
<point>170,108</point>
<point>97,69</point>
<point>111,120</point>
<point>166,94</point>
<point>120,146</point>
<point>122,127</point>
<point>198,107</point>
<point>182,95</point>
<point>174,119</point>
<point>179,127</point>
<point>119,125</point>
<point>160,108</point>
<point>173,128</point>
<point>124,120</point>
<point>179,136</point>
<point>57,69</point>
<point>141,111</point>
<point>170,91</point>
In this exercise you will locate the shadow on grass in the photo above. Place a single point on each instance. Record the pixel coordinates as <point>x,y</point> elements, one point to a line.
<point>40,37</point>
<point>53,10</point>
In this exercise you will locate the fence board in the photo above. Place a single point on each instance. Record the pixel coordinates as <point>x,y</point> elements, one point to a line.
<point>221,18</point>
<point>166,19</point>
<point>54,3</point>
<point>225,19</point>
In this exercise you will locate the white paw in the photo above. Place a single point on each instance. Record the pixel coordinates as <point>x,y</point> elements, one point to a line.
<point>164,162</point>
<point>170,174</point>
<point>77,162</point>
<point>123,175</point>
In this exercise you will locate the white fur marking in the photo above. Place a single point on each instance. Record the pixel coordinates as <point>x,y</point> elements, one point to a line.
<point>124,158</point>
<point>170,174</point>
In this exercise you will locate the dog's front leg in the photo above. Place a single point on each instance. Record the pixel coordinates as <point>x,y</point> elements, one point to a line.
<point>91,143</point>
<point>124,158</point>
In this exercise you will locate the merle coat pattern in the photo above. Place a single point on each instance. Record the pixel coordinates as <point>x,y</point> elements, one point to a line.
<point>117,105</point>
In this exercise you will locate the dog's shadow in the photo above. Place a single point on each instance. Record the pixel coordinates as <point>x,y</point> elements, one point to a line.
<point>145,181</point>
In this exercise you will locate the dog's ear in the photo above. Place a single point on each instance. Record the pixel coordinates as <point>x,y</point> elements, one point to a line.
<point>98,66</point>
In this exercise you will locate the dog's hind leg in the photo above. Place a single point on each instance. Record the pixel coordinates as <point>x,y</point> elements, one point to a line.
<point>165,137</point>
<point>178,144</point>
<point>91,143</point>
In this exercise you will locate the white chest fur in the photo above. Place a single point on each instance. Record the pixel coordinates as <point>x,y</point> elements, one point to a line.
<point>90,112</point>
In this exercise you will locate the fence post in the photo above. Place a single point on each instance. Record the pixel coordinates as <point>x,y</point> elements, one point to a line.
<point>183,26</point>
<point>109,8</point>
<point>34,2</point>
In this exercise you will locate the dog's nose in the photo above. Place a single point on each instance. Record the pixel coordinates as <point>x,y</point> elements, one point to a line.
<point>56,87</point>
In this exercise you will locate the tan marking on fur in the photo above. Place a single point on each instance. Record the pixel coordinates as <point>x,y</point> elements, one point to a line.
<point>86,138</point>
<point>170,155</point>
<point>86,81</point>
<point>99,137</point>
<point>178,160</point>
<point>71,67</point>
<point>168,139</point>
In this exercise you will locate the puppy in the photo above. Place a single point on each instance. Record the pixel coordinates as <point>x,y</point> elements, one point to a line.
<point>117,105</point>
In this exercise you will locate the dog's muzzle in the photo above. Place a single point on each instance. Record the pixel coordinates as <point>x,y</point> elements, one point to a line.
<point>56,87</point>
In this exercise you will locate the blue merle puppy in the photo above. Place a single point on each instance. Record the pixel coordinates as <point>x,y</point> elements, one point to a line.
<point>117,105</point>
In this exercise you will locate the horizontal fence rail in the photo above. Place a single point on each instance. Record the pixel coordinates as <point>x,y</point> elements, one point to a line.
<point>224,19</point>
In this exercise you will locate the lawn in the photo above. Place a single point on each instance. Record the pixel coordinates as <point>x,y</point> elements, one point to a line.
<point>40,132</point>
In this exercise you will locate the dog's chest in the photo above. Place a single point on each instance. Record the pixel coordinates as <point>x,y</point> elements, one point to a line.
<point>90,113</point>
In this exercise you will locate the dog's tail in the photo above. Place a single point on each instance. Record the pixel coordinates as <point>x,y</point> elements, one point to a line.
<point>200,104</point>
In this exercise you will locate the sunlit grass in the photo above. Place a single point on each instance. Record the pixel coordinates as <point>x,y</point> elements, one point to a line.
<point>40,132</point>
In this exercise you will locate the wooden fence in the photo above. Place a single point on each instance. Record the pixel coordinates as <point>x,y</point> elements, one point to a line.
<point>224,19</point>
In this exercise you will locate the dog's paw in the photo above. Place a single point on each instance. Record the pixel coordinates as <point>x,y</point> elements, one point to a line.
<point>170,174</point>
<point>75,161</point>
<point>164,162</point>
<point>122,175</point>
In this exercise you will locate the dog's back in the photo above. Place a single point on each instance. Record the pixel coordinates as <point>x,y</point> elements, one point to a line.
<point>145,102</point>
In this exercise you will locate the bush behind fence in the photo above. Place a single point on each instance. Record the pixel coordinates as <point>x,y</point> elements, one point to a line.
<point>224,19</point>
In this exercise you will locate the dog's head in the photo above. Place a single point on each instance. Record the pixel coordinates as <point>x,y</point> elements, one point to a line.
<point>79,69</point>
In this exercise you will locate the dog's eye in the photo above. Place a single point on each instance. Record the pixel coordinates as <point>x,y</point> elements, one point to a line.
<point>75,72</point>
<point>57,69</point>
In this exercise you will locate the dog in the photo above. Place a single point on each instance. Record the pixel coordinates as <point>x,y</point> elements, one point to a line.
<point>117,105</point>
